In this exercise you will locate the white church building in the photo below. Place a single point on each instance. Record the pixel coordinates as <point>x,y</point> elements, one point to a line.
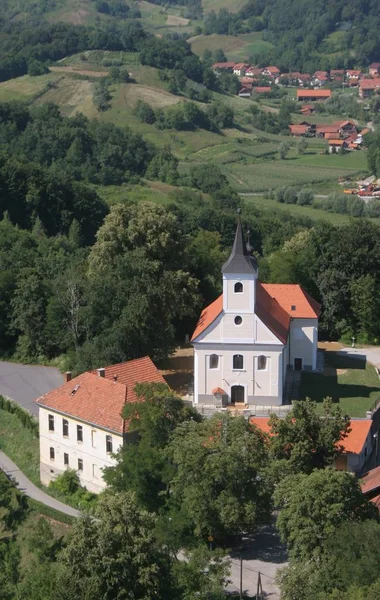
<point>248,339</point>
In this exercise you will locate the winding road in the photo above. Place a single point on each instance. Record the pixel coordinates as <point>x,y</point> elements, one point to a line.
<point>29,489</point>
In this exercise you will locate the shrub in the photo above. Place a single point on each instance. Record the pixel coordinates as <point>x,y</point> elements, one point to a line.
<point>305,197</point>
<point>290,196</point>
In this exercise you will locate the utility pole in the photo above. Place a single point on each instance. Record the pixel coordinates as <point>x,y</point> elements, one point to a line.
<point>259,591</point>
<point>241,577</point>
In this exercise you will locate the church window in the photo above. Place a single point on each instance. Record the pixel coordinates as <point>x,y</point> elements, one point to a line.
<point>238,288</point>
<point>214,361</point>
<point>238,320</point>
<point>238,361</point>
<point>261,363</point>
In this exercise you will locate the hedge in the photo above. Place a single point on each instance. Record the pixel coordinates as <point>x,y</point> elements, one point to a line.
<point>27,420</point>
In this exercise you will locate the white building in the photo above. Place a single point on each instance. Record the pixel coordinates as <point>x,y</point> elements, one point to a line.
<point>80,422</point>
<point>246,341</point>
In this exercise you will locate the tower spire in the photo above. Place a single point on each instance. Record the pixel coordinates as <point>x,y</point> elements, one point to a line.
<point>239,260</point>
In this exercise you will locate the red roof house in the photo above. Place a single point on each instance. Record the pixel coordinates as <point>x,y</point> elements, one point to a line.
<point>313,95</point>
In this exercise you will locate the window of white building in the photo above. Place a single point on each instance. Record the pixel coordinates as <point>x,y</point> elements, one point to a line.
<point>65,428</point>
<point>51,423</point>
<point>238,289</point>
<point>214,361</point>
<point>238,362</point>
<point>66,459</point>
<point>52,453</point>
<point>109,444</point>
<point>79,433</point>
<point>80,464</point>
<point>261,363</point>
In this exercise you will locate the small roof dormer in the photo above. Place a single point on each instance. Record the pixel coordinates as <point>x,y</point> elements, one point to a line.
<point>240,261</point>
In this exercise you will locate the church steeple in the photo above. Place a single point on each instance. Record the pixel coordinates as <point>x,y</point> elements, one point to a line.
<point>239,262</point>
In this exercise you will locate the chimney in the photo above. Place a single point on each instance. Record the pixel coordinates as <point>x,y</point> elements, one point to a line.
<point>101,372</point>
<point>67,376</point>
<point>115,378</point>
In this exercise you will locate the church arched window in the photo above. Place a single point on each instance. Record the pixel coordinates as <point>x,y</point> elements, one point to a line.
<point>238,288</point>
<point>214,361</point>
<point>261,363</point>
<point>238,361</point>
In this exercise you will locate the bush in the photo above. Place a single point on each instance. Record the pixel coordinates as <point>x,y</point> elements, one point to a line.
<point>145,112</point>
<point>27,420</point>
<point>290,196</point>
<point>305,197</point>
<point>36,68</point>
<point>67,484</point>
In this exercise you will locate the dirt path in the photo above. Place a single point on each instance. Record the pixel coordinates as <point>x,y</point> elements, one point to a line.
<point>78,71</point>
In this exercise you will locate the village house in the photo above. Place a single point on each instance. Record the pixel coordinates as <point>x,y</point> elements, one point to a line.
<point>356,446</point>
<point>223,67</point>
<point>370,484</point>
<point>299,130</point>
<point>248,339</point>
<point>253,72</point>
<point>240,69</point>
<point>337,74</point>
<point>353,77</point>
<point>263,89</point>
<point>323,131</point>
<point>245,92</point>
<point>374,69</point>
<point>308,109</point>
<point>313,95</point>
<point>271,72</point>
<point>336,146</point>
<point>80,422</point>
<point>368,86</point>
<point>320,78</point>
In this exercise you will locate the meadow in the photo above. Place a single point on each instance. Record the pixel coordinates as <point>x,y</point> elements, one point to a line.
<point>237,48</point>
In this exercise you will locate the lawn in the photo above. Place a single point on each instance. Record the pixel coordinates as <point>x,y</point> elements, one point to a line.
<point>266,205</point>
<point>349,381</point>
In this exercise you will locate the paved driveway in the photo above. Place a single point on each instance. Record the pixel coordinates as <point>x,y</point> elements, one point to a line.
<point>24,383</point>
<point>370,353</point>
<point>264,554</point>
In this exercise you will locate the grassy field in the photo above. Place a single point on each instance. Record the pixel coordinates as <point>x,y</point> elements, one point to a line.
<point>235,47</point>
<point>216,5</point>
<point>267,205</point>
<point>350,382</point>
<point>20,445</point>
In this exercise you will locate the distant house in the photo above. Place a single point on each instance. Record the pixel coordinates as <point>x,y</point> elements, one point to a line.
<point>299,130</point>
<point>304,78</point>
<point>246,81</point>
<point>337,74</point>
<point>322,130</point>
<point>245,92</point>
<point>81,423</point>
<point>308,109</point>
<point>320,78</point>
<point>368,86</point>
<point>353,77</point>
<point>346,128</point>
<point>313,95</point>
<point>356,447</point>
<point>374,69</point>
<point>271,72</point>
<point>240,69</point>
<point>253,72</point>
<point>223,67</point>
<point>337,145</point>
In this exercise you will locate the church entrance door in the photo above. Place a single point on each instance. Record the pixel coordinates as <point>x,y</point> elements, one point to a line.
<point>237,394</point>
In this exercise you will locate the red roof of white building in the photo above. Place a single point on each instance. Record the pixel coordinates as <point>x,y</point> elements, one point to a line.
<point>99,400</point>
<point>313,93</point>
<point>353,443</point>
<point>276,303</point>
<point>370,84</point>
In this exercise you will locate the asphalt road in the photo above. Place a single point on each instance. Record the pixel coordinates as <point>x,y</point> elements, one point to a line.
<point>29,489</point>
<point>25,383</point>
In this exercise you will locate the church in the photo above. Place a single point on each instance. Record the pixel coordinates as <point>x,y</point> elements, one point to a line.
<point>246,341</point>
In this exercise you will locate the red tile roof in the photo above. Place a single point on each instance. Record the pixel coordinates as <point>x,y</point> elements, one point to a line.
<point>262,90</point>
<point>298,129</point>
<point>289,294</point>
<point>353,73</point>
<point>327,128</point>
<point>240,66</point>
<point>333,142</point>
<point>100,400</point>
<point>223,65</point>
<point>356,438</point>
<point>370,84</point>
<point>321,75</point>
<point>272,70</point>
<point>352,444</point>
<point>370,481</point>
<point>274,303</point>
<point>314,93</point>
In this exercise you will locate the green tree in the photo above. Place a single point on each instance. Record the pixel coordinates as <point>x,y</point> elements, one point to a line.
<point>142,465</point>
<point>218,498</point>
<point>283,150</point>
<point>365,306</point>
<point>313,506</point>
<point>115,556</point>
<point>305,440</point>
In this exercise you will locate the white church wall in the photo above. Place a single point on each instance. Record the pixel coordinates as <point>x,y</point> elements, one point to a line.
<point>303,341</point>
